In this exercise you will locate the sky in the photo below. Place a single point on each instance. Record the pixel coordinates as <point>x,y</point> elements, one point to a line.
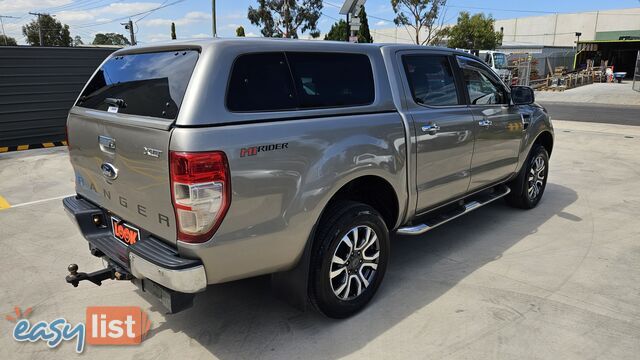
<point>193,17</point>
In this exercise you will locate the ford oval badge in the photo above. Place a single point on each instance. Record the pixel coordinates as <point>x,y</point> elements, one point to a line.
<point>109,171</point>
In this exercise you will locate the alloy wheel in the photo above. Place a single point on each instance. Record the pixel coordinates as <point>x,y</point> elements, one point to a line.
<point>536,178</point>
<point>354,262</point>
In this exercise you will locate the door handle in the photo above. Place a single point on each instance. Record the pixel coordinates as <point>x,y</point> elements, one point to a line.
<point>107,144</point>
<point>431,129</point>
<point>485,123</point>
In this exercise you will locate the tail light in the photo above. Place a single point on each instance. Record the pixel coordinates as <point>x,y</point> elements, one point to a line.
<point>201,192</point>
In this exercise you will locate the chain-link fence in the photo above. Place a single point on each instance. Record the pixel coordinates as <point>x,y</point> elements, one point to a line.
<point>542,64</point>
<point>520,66</point>
<point>524,73</point>
<point>636,76</point>
<point>551,61</point>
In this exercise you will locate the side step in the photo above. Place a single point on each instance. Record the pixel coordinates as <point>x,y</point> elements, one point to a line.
<point>471,203</point>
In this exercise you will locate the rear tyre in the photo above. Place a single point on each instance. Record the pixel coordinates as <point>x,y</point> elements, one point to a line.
<point>351,250</point>
<point>527,189</point>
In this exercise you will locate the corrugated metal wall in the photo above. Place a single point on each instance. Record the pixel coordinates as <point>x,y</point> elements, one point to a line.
<point>38,87</point>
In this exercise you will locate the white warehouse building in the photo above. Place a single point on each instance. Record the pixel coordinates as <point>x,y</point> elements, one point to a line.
<point>548,30</point>
<point>560,29</point>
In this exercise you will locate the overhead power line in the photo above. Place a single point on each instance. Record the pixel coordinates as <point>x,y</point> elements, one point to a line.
<point>89,6</point>
<point>71,5</point>
<point>128,16</point>
<point>150,12</point>
<point>329,16</point>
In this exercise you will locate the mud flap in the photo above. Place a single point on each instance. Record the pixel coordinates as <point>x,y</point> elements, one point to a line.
<point>292,286</point>
<point>172,301</point>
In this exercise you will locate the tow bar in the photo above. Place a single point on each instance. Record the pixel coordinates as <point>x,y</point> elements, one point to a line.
<point>96,277</point>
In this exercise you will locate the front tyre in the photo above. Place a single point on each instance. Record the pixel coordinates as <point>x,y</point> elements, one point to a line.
<point>349,261</point>
<point>527,189</point>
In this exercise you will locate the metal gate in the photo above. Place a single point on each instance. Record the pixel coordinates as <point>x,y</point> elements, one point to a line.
<point>636,74</point>
<point>38,86</point>
<point>524,73</point>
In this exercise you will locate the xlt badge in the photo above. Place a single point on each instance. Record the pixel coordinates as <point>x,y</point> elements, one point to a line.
<point>152,152</point>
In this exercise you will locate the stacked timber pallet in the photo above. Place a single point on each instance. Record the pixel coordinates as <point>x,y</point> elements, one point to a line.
<point>562,80</point>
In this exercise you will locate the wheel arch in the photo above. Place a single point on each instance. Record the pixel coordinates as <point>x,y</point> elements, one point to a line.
<point>292,286</point>
<point>545,138</point>
<point>372,190</point>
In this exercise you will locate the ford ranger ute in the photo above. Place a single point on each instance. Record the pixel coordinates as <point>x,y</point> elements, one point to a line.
<point>202,162</point>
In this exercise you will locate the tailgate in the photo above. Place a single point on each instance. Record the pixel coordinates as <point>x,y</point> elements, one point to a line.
<point>140,191</point>
<point>119,133</point>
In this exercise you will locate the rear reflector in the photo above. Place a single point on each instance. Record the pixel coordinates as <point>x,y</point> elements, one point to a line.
<point>201,192</point>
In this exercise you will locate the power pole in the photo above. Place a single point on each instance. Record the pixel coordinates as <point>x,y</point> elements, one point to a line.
<point>39,15</point>
<point>129,26</point>
<point>213,14</point>
<point>1,23</point>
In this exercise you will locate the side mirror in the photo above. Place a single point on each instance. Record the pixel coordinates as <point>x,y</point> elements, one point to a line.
<point>522,95</point>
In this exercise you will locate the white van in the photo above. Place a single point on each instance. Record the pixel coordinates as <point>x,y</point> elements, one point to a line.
<point>496,61</point>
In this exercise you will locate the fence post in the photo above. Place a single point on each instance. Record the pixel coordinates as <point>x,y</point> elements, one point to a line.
<point>636,75</point>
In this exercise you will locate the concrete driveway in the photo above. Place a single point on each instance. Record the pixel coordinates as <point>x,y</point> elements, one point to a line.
<point>561,281</point>
<point>596,93</point>
<point>600,103</point>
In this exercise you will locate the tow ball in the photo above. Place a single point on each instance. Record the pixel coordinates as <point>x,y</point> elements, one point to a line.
<point>96,277</point>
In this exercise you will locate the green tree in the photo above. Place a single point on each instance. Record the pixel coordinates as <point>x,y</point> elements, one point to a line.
<point>240,31</point>
<point>284,18</point>
<point>173,31</point>
<point>420,15</point>
<point>364,35</point>
<point>339,31</point>
<point>54,33</point>
<point>110,39</point>
<point>7,41</point>
<point>77,41</point>
<point>474,32</point>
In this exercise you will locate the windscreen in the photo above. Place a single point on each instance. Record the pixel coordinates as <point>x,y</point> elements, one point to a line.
<point>500,60</point>
<point>149,84</point>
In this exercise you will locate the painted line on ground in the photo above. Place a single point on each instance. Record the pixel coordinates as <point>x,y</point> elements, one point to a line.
<point>4,204</point>
<point>4,149</point>
<point>40,201</point>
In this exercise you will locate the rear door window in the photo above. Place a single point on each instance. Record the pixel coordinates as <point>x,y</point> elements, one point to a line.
<point>431,80</point>
<point>332,79</point>
<point>149,84</point>
<point>261,82</point>
<point>299,80</point>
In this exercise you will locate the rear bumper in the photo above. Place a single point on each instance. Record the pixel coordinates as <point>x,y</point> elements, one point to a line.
<point>149,258</point>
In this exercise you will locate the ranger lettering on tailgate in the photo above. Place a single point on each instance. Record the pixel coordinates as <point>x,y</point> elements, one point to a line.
<point>120,200</point>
